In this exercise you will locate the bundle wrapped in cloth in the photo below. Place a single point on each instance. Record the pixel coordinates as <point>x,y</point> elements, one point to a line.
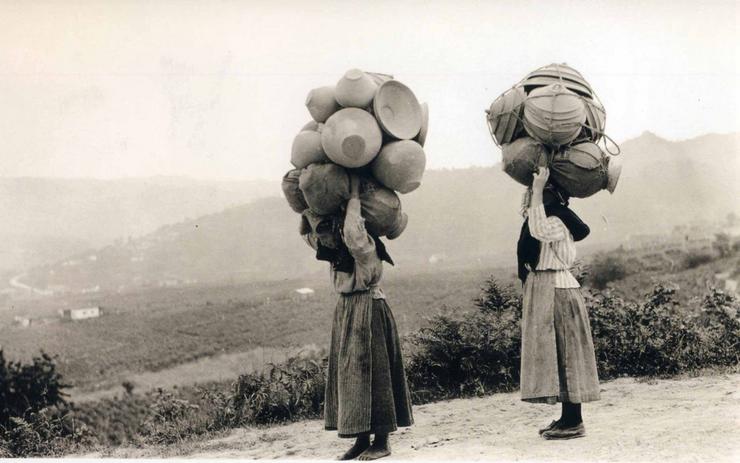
<point>368,124</point>
<point>553,118</point>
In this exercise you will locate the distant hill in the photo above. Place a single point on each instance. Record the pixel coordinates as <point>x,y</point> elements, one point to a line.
<point>462,217</point>
<point>48,219</point>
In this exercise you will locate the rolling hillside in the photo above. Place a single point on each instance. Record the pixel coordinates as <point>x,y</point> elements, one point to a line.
<point>463,218</point>
<point>48,219</point>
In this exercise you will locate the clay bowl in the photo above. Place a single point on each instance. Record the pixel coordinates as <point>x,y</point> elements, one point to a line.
<point>397,110</point>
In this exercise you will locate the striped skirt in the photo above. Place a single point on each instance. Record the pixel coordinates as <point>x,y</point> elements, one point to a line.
<point>558,361</point>
<point>366,390</point>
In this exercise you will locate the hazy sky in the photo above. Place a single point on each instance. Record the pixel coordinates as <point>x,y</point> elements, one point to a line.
<point>216,89</point>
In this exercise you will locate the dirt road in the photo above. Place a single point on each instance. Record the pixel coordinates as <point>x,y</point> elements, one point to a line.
<point>690,420</point>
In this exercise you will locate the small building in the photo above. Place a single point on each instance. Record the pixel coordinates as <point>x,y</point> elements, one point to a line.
<point>80,314</point>
<point>305,293</point>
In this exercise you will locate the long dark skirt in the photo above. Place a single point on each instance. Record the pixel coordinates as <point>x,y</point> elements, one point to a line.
<point>366,390</point>
<point>558,361</point>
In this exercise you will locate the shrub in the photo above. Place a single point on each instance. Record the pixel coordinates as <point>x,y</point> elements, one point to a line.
<point>28,388</point>
<point>652,338</point>
<point>606,268</point>
<point>171,419</point>
<point>720,318</point>
<point>474,353</point>
<point>288,391</point>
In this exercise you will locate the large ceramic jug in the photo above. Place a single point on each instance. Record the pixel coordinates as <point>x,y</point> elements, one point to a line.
<point>381,209</point>
<point>351,137</point>
<point>522,157</point>
<point>400,165</point>
<point>581,170</point>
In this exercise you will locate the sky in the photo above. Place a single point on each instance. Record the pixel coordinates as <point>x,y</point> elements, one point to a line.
<point>216,90</point>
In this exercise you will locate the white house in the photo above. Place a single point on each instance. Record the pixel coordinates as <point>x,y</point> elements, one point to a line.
<point>305,293</point>
<point>80,314</point>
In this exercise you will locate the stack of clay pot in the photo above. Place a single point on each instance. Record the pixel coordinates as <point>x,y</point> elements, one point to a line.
<point>367,124</point>
<point>553,118</point>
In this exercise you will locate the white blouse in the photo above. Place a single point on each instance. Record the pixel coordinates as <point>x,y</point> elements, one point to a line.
<point>558,250</point>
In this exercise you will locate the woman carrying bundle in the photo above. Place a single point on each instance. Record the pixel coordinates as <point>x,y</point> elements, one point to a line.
<point>558,362</point>
<point>366,390</point>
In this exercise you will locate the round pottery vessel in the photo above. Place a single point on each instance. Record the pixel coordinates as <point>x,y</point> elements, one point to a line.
<point>551,73</point>
<point>504,115</point>
<point>521,158</point>
<point>397,110</point>
<point>381,209</point>
<point>351,137</point>
<point>321,103</point>
<point>554,115</point>
<point>355,89</point>
<point>580,170</point>
<point>396,232</point>
<point>307,149</point>
<point>400,166</point>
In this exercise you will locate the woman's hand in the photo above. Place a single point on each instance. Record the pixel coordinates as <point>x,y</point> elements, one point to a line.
<point>539,179</point>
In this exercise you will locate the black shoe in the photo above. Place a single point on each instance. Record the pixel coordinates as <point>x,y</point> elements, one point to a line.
<point>550,426</point>
<point>565,433</point>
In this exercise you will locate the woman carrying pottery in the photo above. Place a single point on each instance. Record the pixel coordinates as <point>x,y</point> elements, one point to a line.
<point>366,390</point>
<point>558,362</point>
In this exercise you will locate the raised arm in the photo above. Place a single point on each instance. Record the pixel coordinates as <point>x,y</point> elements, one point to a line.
<point>360,244</point>
<point>543,228</point>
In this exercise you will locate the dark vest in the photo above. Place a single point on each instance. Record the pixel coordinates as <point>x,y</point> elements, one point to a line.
<point>528,247</point>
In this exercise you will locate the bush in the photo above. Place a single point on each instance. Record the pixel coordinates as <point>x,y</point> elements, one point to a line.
<point>34,419</point>
<point>606,268</point>
<point>720,318</point>
<point>474,353</point>
<point>652,338</point>
<point>172,419</point>
<point>286,392</point>
<point>28,388</point>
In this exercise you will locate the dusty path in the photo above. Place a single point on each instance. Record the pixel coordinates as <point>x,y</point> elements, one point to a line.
<point>695,419</point>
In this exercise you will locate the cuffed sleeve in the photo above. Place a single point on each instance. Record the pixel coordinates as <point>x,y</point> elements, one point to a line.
<point>543,228</point>
<point>358,241</point>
